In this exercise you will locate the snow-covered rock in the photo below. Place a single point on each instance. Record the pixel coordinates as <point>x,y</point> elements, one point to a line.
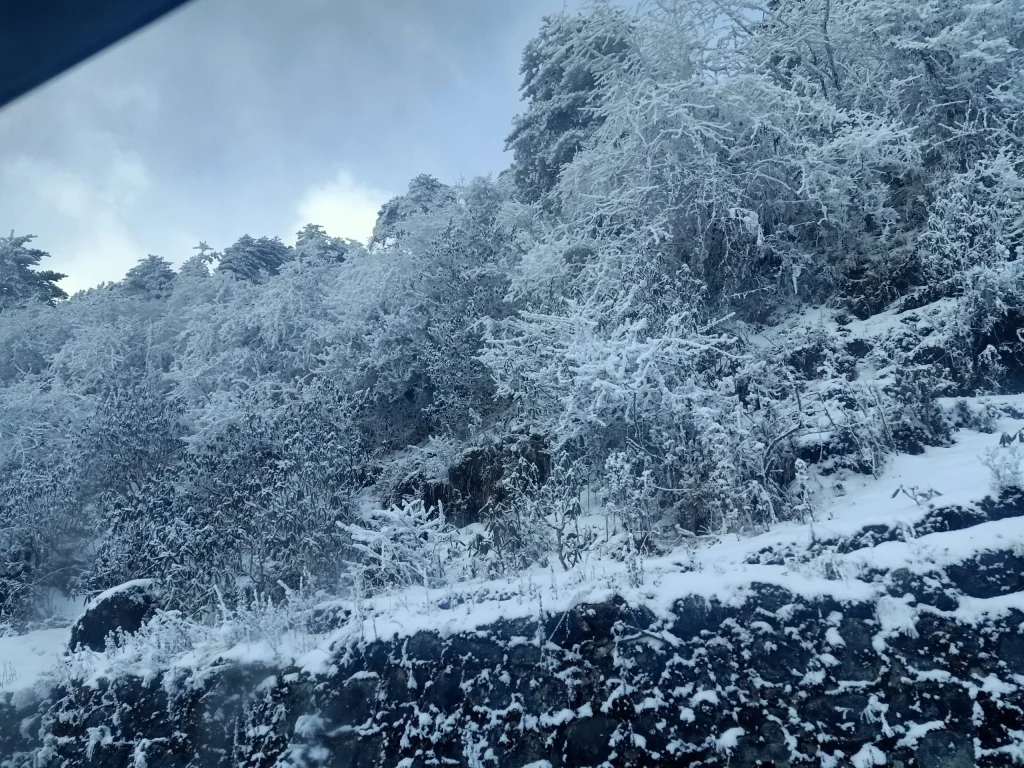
<point>122,608</point>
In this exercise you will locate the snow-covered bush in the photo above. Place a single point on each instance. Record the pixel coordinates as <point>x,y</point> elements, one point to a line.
<point>402,546</point>
<point>1006,463</point>
<point>628,375</point>
<point>971,252</point>
<point>253,508</point>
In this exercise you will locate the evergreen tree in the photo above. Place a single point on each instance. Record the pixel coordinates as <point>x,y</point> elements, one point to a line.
<point>254,259</point>
<point>152,277</point>
<point>198,264</point>
<point>426,197</point>
<point>314,243</point>
<point>561,70</point>
<point>19,281</point>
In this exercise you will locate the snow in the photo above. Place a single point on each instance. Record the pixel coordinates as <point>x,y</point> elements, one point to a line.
<point>897,616</point>
<point>915,732</point>
<point>833,638</point>
<point>868,756</point>
<point>709,697</point>
<point>24,659</point>
<point>995,687</point>
<point>813,677</point>
<point>729,740</point>
<point>1014,752</point>
<point>561,717</point>
<point>144,584</point>
<point>308,725</point>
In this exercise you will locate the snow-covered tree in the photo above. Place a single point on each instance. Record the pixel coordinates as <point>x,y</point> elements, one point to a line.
<point>254,259</point>
<point>19,280</point>
<point>152,276</point>
<point>561,69</point>
<point>426,200</point>
<point>314,243</point>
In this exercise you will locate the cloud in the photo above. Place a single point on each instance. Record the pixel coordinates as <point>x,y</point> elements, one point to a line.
<point>342,206</point>
<point>211,124</point>
<point>85,214</point>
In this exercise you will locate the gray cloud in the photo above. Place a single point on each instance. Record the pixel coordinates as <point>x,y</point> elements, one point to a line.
<point>235,116</point>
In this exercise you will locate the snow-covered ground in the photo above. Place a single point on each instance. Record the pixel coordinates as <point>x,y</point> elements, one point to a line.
<point>719,567</point>
<point>26,658</point>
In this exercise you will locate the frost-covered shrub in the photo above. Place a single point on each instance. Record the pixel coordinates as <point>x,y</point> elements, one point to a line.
<point>972,252</point>
<point>918,420</point>
<point>1006,464</point>
<point>402,546</point>
<point>981,418</point>
<point>467,478</point>
<point>644,390</point>
<point>516,531</point>
<point>253,509</point>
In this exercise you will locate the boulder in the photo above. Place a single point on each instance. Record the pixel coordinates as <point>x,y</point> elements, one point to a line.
<point>125,607</point>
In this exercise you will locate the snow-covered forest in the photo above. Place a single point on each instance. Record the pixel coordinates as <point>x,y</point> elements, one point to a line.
<point>742,250</point>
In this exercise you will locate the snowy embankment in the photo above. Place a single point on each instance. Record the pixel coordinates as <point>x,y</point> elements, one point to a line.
<point>889,626</point>
<point>724,567</point>
<point>720,568</point>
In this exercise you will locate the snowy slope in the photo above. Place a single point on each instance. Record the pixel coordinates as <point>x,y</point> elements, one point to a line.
<point>862,587</point>
<point>804,558</point>
<point>24,659</point>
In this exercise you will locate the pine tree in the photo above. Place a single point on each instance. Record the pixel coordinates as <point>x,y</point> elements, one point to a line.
<point>426,196</point>
<point>152,277</point>
<point>313,243</point>
<point>19,281</point>
<point>254,259</point>
<point>561,69</point>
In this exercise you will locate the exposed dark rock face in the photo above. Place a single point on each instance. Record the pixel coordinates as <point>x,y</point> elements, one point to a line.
<point>474,483</point>
<point>122,609</point>
<point>914,676</point>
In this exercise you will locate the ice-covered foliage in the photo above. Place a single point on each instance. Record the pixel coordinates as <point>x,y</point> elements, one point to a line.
<point>254,258</point>
<point>561,68</point>
<point>741,247</point>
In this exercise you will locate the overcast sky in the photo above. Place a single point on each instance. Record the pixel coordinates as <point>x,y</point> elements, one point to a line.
<point>255,116</point>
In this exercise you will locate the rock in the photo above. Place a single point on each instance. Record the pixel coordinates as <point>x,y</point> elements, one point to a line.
<point>586,740</point>
<point>989,574</point>
<point>942,749</point>
<point>126,608</point>
<point>1011,649</point>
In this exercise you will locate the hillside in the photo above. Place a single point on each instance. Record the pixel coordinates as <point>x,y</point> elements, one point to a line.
<point>887,629</point>
<point>682,406</point>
